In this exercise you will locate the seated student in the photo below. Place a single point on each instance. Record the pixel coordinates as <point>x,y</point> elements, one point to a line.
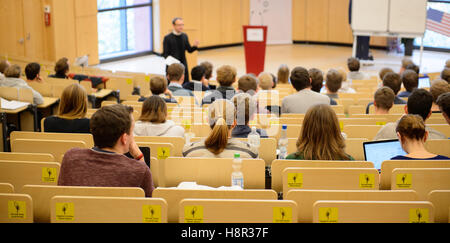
<point>414,68</point>
<point>333,84</point>
<point>305,98</point>
<point>3,66</point>
<point>384,71</point>
<point>12,79</point>
<point>105,165</point>
<point>226,76</point>
<point>419,103</point>
<point>283,74</point>
<point>412,135</point>
<point>72,110</point>
<point>316,79</point>
<point>33,72</point>
<point>198,82</point>
<point>383,100</point>
<point>153,120</point>
<point>248,84</point>
<point>274,80</point>
<point>222,119</point>
<point>320,138</point>
<point>393,81</point>
<point>447,63</point>
<point>158,87</point>
<point>266,93</point>
<point>175,75</point>
<point>445,75</point>
<point>208,71</point>
<point>410,80</point>
<point>61,69</point>
<point>354,65</point>
<point>405,62</point>
<point>346,85</point>
<point>443,102</point>
<point>437,88</point>
<point>246,108</point>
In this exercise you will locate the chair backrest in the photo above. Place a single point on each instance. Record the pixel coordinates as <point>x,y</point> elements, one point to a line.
<point>438,146</point>
<point>373,212</point>
<point>362,131</point>
<point>279,165</point>
<point>108,103</point>
<point>174,196</point>
<point>213,172</point>
<point>88,139</point>
<point>237,211</point>
<point>396,109</point>
<point>441,202</point>
<point>267,150</point>
<point>55,147</point>
<point>27,157</point>
<point>421,180</point>
<point>42,195</point>
<point>160,151</point>
<point>16,208</point>
<point>19,173</point>
<point>388,166</point>
<point>354,147</point>
<point>443,128</point>
<point>293,131</point>
<point>388,117</point>
<point>305,199</point>
<point>44,88</point>
<point>6,188</point>
<point>330,179</point>
<point>177,142</point>
<point>125,85</point>
<point>78,209</point>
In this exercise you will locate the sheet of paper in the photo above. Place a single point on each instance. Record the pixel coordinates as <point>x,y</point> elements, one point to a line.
<point>171,60</point>
<point>13,104</point>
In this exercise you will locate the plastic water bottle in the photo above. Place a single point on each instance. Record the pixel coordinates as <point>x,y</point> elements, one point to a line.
<point>283,143</point>
<point>237,178</point>
<point>254,139</point>
<point>188,135</point>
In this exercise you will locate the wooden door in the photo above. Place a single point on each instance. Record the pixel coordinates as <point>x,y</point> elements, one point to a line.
<point>12,42</point>
<point>33,25</point>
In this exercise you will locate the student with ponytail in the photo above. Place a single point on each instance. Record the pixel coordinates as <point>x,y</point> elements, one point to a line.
<point>219,144</point>
<point>412,135</point>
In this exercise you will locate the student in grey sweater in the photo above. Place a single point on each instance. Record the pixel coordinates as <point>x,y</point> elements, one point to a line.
<point>12,79</point>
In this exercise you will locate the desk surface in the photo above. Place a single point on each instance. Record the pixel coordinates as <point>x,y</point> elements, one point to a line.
<point>48,101</point>
<point>13,111</point>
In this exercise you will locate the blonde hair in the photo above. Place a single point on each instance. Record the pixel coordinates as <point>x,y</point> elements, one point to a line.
<point>154,110</point>
<point>283,74</point>
<point>265,81</point>
<point>73,103</point>
<point>222,116</point>
<point>321,138</point>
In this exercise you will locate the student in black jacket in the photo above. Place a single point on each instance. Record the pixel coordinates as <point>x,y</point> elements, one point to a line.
<point>198,82</point>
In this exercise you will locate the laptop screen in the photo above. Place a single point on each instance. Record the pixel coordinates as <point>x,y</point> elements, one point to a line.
<point>379,151</point>
<point>424,82</point>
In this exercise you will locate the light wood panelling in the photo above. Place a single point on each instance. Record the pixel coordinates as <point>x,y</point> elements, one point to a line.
<point>86,29</point>
<point>11,15</point>
<point>211,16</point>
<point>339,29</point>
<point>63,22</point>
<point>33,29</point>
<point>317,20</point>
<point>299,20</point>
<point>231,23</point>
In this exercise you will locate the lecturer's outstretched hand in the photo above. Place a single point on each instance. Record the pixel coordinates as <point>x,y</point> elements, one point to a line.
<point>196,43</point>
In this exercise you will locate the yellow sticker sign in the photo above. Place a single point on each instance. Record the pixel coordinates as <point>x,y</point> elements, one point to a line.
<point>151,213</point>
<point>147,79</point>
<point>282,215</point>
<point>129,81</point>
<point>404,180</point>
<point>367,181</point>
<point>163,153</point>
<point>419,215</point>
<point>17,210</point>
<point>341,125</point>
<point>49,175</point>
<point>193,214</point>
<point>295,180</point>
<point>381,123</point>
<point>328,215</point>
<point>65,211</point>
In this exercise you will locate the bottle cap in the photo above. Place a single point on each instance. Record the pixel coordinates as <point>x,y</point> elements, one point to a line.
<point>284,127</point>
<point>237,156</point>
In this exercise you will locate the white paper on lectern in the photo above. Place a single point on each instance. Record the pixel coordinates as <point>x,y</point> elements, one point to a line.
<point>13,104</point>
<point>171,60</point>
<point>255,35</point>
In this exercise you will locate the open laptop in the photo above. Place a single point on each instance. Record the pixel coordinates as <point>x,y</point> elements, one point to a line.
<point>379,151</point>
<point>424,82</point>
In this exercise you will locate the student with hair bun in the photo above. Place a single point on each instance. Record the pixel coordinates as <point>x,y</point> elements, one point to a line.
<point>219,144</point>
<point>412,135</point>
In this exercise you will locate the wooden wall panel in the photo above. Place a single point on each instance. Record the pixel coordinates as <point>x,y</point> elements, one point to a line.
<point>168,9</point>
<point>63,18</point>
<point>34,29</point>
<point>339,29</point>
<point>211,17</point>
<point>232,23</point>
<point>299,20</point>
<point>317,20</point>
<point>86,29</point>
<point>11,15</point>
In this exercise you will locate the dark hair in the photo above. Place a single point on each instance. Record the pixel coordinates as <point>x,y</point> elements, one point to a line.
<point>62,66</point>
<point>393,81</point>
<point>316,79</point>
<point>13,71</point>
<point>175,20</point>
<point>248,83</point>
<point>353,64</point>
<point>300,78</point>
<point>158,85</point>
<point>154,110</point>
<point>410,80</point>
<point>197,73</point>
<point>109,123</point>
<point>443,102</point>
<point>384,71</point>
<point>32,70</point>
<point>175,71</point>
<point>334,80</point>
<point>208,69</point>
<point>412,127</point>
<point>275,80</point>
<point>384,98</point>
<point>419,103</point>
<point>3,66</point>
<point>413,67</point>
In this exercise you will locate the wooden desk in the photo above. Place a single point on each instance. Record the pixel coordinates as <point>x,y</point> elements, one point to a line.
<point>31,123</point>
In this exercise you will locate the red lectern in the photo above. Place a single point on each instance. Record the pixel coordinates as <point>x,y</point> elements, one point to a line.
<point>255,39</point>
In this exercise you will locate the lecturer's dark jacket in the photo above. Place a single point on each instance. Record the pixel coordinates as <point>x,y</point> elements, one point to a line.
<point>176,46</point>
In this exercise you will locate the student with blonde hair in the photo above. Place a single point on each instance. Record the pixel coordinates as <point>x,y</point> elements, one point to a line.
<point>320,137</point>
<point>219,144</point>
<point>412,135</point>
<point>72,111</point>
<point>153,120</point>
<point>283,74</point>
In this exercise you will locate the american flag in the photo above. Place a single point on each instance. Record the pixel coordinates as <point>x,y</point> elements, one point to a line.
<point>438,22</point>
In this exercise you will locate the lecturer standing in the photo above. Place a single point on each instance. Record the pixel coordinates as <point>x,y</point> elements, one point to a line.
<point>177,43</point>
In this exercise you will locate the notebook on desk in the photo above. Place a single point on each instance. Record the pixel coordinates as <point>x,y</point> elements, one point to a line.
<point>379,151</point>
